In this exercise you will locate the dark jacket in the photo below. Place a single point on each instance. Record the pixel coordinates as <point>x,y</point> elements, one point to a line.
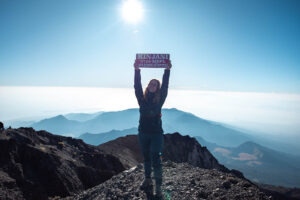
<point>150,113</point>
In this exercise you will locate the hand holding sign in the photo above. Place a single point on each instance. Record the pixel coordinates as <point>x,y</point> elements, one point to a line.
<point>153,61</point>
<point>136,66</point>
<point>169,65</point>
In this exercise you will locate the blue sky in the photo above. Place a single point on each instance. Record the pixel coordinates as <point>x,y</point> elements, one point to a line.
<point>249,46</point>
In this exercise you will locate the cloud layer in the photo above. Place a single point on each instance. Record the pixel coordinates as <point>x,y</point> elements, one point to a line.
<point>268,112</point>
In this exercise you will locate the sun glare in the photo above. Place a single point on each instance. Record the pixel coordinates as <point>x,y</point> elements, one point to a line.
<point>132,11</point>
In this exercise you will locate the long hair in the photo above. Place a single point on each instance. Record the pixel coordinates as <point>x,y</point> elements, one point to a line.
<point>156,94</point>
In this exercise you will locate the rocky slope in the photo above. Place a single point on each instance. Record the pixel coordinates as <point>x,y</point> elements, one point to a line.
<point>279,192</point>
<point>177,148</point>
<point>39,165</point>
<point>180,181</point>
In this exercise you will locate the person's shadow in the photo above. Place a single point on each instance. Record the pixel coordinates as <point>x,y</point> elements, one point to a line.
<point>150,195</point>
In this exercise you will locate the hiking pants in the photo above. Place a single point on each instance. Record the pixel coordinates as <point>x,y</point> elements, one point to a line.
<point>152,146</point>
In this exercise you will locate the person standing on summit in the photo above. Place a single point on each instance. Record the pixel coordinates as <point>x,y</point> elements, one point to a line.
<point>150,132</point>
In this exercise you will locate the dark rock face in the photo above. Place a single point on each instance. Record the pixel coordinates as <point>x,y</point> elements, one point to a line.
<point>177,148</point>
<point>1,126</point>
<point>125,148</point>
<point>279,192</point>
<point>39,165</point>
<point>180,181</point>
<point>180,148</point>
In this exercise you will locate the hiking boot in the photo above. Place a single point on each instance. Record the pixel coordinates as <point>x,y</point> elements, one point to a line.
<point>158,193</point>
<point>147,184</point>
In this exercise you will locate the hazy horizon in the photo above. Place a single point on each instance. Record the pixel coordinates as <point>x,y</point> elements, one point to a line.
<point>271,113</point>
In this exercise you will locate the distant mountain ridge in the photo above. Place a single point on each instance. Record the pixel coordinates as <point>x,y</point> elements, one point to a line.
<point>81,117</point>
<point>258,163</point>
<point>101,123</point>
<point>97,139</point>
<point>57,124</point>
<point>173,120</point>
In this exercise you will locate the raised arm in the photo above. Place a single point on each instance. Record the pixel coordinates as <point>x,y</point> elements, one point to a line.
<point>164,86</point>
<point>138,85</point>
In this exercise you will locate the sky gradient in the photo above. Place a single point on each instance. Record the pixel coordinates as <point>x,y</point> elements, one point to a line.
<point>234,61</point>
<point>245,46</point>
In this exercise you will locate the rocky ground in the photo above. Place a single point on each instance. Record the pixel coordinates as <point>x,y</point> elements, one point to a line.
<point>38,165</point>
<point>279,192</point>
<point>180,181</point>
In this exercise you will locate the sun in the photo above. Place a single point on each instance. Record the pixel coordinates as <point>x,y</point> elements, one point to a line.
<point>132,11</point>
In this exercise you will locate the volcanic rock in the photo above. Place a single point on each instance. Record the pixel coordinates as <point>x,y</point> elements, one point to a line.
<point>180,181</point>
<point>39,165</point>
<point>176,148</point>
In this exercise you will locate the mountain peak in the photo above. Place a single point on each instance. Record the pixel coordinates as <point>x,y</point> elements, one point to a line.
<point>249,145</point>
<point>60,117</point>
